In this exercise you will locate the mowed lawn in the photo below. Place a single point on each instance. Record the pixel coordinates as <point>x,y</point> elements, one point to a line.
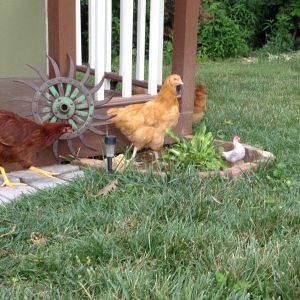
<point>175,237</point>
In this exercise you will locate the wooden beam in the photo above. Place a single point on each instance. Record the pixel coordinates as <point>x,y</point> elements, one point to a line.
<point>61,33</point>
<point>184,55</point>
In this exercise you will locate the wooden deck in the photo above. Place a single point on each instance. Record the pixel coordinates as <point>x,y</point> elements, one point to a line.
<point>10,89</point>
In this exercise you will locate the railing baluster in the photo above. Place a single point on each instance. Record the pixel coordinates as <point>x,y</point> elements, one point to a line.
<point>126,30</point>
<point>108,31</point>
<point>160,42</point>
<point>78,34</point>
<point>153,47</point>
<point>141,28</point>
<point>100,49</point>
<point>92,29</point>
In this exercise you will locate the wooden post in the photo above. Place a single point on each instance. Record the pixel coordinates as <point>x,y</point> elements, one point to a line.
<point>61,33</point>
<point>184,57</point>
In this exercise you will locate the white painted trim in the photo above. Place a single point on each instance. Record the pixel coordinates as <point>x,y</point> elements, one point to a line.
<point>126,31</point>
<point>160,42</point>
<point>92,29</point>
<point>99,45</point>
<point>78,33</point>
<point>108,32</point>
<point>140,51</point>
<point>153,47</point>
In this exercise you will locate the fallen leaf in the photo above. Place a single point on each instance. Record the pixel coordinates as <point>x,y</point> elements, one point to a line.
<point>216,200</point>
<point>37,238</point>
<point>13,229</point>
<point>228,122</point>
<point>108,188</point>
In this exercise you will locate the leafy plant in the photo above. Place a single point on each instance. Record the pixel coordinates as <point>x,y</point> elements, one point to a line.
<point>198,151</point>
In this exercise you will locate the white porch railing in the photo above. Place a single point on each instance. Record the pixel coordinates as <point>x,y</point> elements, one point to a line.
<point>100,31</point>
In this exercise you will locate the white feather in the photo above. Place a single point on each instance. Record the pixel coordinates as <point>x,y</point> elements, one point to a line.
<point>237,153</point>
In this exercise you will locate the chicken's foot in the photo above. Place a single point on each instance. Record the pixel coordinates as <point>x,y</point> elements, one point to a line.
<point>7,182</point>
<point>43,172</point>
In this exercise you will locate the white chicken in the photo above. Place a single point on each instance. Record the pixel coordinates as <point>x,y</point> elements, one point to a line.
<point>237,153</point>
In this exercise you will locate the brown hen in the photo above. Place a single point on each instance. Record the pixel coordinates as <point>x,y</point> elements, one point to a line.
<point>145,124</point>
<point>20,138</point>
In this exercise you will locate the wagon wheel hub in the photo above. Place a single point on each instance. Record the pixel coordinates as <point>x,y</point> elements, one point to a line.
<point>63,108</point>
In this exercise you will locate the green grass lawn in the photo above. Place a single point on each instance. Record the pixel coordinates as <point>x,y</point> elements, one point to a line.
<point>168,238</point>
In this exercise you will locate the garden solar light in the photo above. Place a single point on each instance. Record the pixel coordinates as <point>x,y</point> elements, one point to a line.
<point>110,142</point>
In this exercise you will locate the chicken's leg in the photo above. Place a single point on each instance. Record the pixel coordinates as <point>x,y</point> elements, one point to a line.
<point>156,155</point>
<point>132,159</point>
<point>7,182</point>
<point>43,172</point>
<point>134,153</point>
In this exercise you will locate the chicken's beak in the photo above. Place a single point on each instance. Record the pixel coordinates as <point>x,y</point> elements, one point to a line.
<point>68,130</point>
<point>179,88</point>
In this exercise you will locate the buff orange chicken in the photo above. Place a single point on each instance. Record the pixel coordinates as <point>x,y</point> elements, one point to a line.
<point>145,124</point>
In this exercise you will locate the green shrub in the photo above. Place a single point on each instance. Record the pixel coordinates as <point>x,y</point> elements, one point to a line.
<point>284,29</point>
<point>221,36</point>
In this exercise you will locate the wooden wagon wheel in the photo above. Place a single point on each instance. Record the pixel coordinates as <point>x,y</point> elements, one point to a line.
<point>65,99</point>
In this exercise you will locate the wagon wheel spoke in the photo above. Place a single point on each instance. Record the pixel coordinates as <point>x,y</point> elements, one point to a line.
<point>80,99</point>
<point>41,74</point>
<point>54,66</point>
<point>47,117</point>
<point>28,83</point>
<point>86,75</point>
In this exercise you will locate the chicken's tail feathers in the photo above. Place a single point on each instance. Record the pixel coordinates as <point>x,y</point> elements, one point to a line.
<point>200,90</point>
<point>200,101</point>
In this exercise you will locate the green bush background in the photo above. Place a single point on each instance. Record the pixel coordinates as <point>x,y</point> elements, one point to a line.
<point>228,28</point>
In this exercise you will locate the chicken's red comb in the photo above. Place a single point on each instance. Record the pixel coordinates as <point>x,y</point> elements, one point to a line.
<point>236,137</point>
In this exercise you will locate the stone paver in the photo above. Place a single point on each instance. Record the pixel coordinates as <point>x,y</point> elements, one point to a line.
<point>36,182</point>
<point>72,175</point>
<point>12,193</point>
<point>26,175</point>
<point>62,169</point>
<point>45,183</point>
<point>3,200</point>
<point>11,178</point>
